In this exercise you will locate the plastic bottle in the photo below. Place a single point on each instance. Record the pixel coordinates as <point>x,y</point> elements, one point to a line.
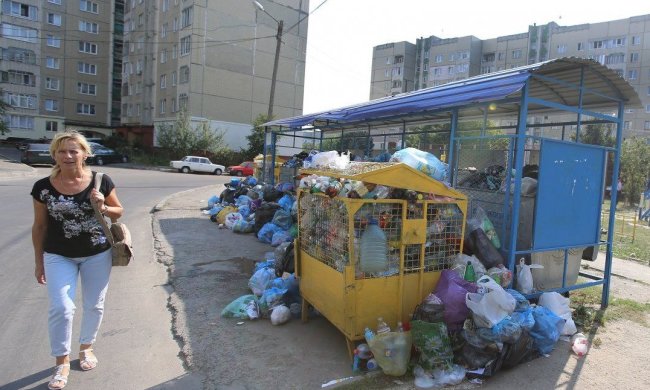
<point>579,344</point>
<point>373,256</point>
<point>369,334</point>
<point>382,326</point>
<point>372,365</point>
<point>400,327</point>
<point>470,275</point>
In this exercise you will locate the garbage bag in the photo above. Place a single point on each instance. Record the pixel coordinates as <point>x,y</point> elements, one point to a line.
<point>267,231</point>
<point>272,297</point>
<point>221,216</point>
<point>260,280</point>
<point>243,226</point>
<point>392,350</point>
<point>480,220</point>
<point>451,290</point>
<point>286,202</point>
<point>228,195</point>
<point>547,329</point>
<point>280,236</point>
<point>263,214</point>
<point>232,219</point>
<point>283,219</point>
<point>520,351</point>
<point>286,262</point>
<point>524,318</point>
<point>243,200</point>
<point>270,194</point>
<point>213,199</point>
<point>525,276</point>
<point>430,310</point>
<point>506,331</point>
<point>522,303</point>
<point>422,161</point>
<point>280,315</point>
<point>490,308</point>
<point>431,339</point>
<point>559,305</point>
<point>477,243</point>
<point>244,307</point>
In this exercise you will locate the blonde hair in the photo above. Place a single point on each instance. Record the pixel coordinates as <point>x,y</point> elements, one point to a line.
<point>61,138</point>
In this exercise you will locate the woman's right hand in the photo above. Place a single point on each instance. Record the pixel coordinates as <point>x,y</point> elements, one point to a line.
<point>39,272</point>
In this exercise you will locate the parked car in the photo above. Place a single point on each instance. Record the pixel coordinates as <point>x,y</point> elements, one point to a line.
<point>31,154</point>
<point>247,168</point>
<point>196,164</point>
<point>103,155</point>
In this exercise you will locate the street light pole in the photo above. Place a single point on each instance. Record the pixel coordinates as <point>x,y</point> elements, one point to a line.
<point>278,42</point>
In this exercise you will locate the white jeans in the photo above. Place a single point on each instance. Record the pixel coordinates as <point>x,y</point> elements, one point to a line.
<point>61,274</point>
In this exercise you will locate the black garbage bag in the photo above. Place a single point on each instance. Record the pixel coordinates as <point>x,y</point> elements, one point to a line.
<point>521,351</point>
<point>286,263</point>
<point>271,194</point>
<point>479,245</point>
<point>228,195</point>
<point>264,214</point>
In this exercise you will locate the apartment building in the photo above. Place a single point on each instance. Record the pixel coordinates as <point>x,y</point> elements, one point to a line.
<point>59,67</point>
<point>212,58</point>
<point>622,45</point>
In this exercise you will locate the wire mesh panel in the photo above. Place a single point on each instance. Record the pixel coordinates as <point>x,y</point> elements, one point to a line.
<point>444,235</point>
<point>389,219</point>
<point>323,225</point>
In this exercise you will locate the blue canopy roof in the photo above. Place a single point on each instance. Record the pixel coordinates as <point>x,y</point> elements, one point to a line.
<point>606,87</point>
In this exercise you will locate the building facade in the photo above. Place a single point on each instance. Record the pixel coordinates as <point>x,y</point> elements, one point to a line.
<point>212,58</point>
<point>60,65</point>
<point>622,45</point>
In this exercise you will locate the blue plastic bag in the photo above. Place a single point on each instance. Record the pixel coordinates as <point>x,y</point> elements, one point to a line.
<point>522,303</point>
<point>524,318</point>
<point>215,209</point>
<point>266,232</point>
<point>422,161</point>
<point>261,280</point>
<point>286,202</point>
<point>282,218</point>
<point>264,264</point>
<point>213,199</point>
<point>243,200</point>
<point>280,237</point>
<point>547,329</point>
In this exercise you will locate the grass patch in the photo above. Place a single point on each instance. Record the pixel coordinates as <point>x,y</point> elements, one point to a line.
<point>588,315</point>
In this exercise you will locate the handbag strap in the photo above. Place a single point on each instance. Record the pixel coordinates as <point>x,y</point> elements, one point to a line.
<point>98,214</point>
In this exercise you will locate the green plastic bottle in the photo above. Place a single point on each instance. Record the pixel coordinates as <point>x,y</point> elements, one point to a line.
<point>470,275</point>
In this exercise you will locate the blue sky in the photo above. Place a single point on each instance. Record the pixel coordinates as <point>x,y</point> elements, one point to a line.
<point>342,33</point>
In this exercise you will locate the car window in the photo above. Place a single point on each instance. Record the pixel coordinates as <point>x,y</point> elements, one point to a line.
<point>194,160</point>
<point>185,158</point>
<point>205,161</point>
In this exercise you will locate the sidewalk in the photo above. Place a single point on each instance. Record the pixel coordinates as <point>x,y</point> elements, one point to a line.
<point>11,169</point>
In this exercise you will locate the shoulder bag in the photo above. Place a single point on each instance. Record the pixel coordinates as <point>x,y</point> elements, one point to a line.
<point>117,234</point>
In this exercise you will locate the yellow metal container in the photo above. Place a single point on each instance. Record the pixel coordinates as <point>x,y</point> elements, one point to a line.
<point>423,237</point>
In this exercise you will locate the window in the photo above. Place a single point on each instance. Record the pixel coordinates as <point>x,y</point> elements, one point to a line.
<point>20,122</point>
<point>52,63</point>
<point>175,25</point>
<point>85,109</point>
<point>53,40</point>
<point>140,19</point>
<point>648,91</point>
<point>618,42</point>
<point>186,17</point>
<point>163,104</point>
<point>19,77</point>
<point>51,105</point>
<point>397,71</point>
<point>175,51</point>
<point>581,46</point>
<point>597,44</point>
<point>137,109</point>
<point>636,40</point>
<point>163,30</point>
<point>634,57</point>
<point>19,55</point>
<point>51,126</point>
<point>399,59</point>
<point>182,101</point>
<point>616,58</point>
<point>165,5</point>
<point>21,10</point>
<point>87,89</point>
<point>86,68</point>
<point>88,6</point>
<point>646,125</point>
<point>138,87</point>
<point>647,108</point>
<point>19,100</point>
<point>561,49</point>
<point>54,19</point>
<point>87,47</point>
<point>173,78</point>
<point>500,56</point>
<point>516,54</point>
<point>20,33</point>
<point>138,67</point>
<point>54,1</point>
<point>626,125</point>
<point>632,74</point>
<point>186,45</point>
<point>184,75</point>
<point>163,56</point>
<point>52,83</point>
<point>88,27</point>
<point>438,58</point>
<point>173,108</point>
<point>163,81</point>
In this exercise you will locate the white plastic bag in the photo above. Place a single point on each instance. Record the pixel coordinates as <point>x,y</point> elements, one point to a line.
<point>525,277</point>
<point>559,305</point>
<point>490,308</point>
<point>280,315</point>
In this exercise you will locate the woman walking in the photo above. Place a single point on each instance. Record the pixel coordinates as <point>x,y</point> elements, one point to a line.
<point>69,243</point>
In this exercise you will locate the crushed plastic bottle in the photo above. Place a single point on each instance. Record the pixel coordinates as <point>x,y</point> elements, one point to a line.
<point>579,344</point>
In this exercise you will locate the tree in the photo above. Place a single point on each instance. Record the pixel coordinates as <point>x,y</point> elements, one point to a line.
<point>635,167</point>
<point>256,138</point>
<point>181,139</point>
<point>596,134</point>
<point>3,112</point>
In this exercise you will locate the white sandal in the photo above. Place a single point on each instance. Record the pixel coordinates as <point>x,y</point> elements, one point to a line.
<point>89,361</point>
<point>59,377</point>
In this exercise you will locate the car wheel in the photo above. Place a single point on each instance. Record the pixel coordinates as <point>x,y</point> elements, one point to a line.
<point>240,173</point>
<point>185,170</point>
<point>99,161</point>
<point>217,172</point>
<point>125,159</point>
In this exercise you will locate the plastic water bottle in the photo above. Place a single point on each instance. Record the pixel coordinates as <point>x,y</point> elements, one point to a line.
<point>382,326</point>
<point>369,334</point>
<point>373,249</point>
<point>579,344</point>
<point>470,275</point>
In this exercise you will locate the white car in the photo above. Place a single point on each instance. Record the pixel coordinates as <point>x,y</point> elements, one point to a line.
<point>197,164</point>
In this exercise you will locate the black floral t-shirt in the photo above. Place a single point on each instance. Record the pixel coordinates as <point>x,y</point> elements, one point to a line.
<point>72,228</point>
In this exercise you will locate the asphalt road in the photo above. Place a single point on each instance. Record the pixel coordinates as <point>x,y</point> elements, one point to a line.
<point>135,347</point>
